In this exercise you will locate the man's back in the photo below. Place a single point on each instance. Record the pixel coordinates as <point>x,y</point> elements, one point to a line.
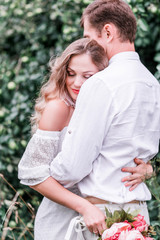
<point>133,130</point>
<point>116,119</point>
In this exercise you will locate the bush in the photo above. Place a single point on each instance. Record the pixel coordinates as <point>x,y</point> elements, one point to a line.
<point>30,33</point>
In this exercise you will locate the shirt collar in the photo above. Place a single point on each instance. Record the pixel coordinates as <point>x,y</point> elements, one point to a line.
<point>124,56</point>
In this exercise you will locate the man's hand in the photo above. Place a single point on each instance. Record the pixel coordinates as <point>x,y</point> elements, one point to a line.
<point>138,174</point>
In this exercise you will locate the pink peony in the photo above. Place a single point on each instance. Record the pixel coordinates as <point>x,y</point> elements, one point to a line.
<point>115,230</point>
<point>131,235</point>
<point>140,224</point>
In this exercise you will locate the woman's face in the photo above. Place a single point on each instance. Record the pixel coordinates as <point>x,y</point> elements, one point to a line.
<point>80,68</point>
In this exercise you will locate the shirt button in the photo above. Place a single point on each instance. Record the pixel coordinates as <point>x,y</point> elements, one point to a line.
<point>69,131</point>
<point>149,85</point>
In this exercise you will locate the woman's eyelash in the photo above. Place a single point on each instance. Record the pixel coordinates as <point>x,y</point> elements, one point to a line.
<point>87,76</point>
<point>70,74</point>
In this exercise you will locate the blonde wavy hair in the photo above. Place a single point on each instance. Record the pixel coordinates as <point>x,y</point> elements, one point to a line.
<point>55,87</point>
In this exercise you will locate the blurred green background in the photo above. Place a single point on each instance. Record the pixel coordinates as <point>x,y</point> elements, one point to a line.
<point>30,33</point>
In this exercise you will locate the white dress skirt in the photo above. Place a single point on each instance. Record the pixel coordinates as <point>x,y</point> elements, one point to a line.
<point>52,219</point>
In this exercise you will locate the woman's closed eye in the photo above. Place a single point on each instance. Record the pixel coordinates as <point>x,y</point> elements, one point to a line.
<point>70,73</point>
<point>87,76</point>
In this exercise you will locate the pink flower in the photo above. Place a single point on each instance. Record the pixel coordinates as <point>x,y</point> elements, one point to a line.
<point>115,230</point>
<point>140,224</point>
<point>131,235</point>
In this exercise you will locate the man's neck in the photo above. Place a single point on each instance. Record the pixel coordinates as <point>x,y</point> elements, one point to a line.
<point>120,47</point>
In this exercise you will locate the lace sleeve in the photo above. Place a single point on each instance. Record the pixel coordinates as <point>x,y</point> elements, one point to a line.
<point>33,167</point>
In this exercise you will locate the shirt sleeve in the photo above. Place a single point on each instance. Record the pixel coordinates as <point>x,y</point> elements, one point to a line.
<point>85,134</point>
<point>33,167</point>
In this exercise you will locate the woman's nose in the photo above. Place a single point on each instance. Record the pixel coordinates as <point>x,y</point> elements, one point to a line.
<point>78,81</point>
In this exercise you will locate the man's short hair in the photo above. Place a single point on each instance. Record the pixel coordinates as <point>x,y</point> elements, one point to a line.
<point>101,12</point>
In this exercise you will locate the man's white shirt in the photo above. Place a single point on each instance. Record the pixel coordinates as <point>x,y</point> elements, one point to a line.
<point>117,118</point>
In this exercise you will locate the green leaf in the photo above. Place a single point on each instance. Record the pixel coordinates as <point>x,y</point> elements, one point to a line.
<point>143,24</point>
<point>157,57</point>
<point>158,67</point>
<point>140,8</point>
<point>108,213</point>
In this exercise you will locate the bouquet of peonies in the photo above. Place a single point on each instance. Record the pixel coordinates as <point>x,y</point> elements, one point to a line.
<point>122,225</point>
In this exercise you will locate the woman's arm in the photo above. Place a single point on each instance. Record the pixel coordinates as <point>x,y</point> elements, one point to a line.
<point>94,218</point>
<point>138,174</point>
<point>54,118</point>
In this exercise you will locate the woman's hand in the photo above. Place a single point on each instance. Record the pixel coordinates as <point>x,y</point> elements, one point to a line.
<point>94,218</point>
<point>138,174</point>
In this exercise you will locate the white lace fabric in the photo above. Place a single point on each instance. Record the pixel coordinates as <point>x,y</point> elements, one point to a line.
<point>34,165</point>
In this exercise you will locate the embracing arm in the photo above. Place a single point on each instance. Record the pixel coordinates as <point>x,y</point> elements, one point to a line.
<point>86,131</point>
<point>94,218</point>
<point>138,174</point>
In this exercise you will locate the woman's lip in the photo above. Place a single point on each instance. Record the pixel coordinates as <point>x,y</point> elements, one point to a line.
<point>75,91</point>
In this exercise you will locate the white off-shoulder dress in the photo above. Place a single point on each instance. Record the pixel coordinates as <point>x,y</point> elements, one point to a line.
<point>52,219</point>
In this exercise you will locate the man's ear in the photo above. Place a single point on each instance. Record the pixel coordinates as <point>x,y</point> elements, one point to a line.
<point>109,32</point>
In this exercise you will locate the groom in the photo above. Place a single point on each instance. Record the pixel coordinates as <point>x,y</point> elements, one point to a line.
<point>117,115</point>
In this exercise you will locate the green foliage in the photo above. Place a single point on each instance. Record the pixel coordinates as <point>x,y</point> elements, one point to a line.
<point>117,217</point>
<point>30,33</point>
<point>148,34</point>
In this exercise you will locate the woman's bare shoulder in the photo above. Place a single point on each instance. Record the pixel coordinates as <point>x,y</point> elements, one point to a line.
<point>54,116</point>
